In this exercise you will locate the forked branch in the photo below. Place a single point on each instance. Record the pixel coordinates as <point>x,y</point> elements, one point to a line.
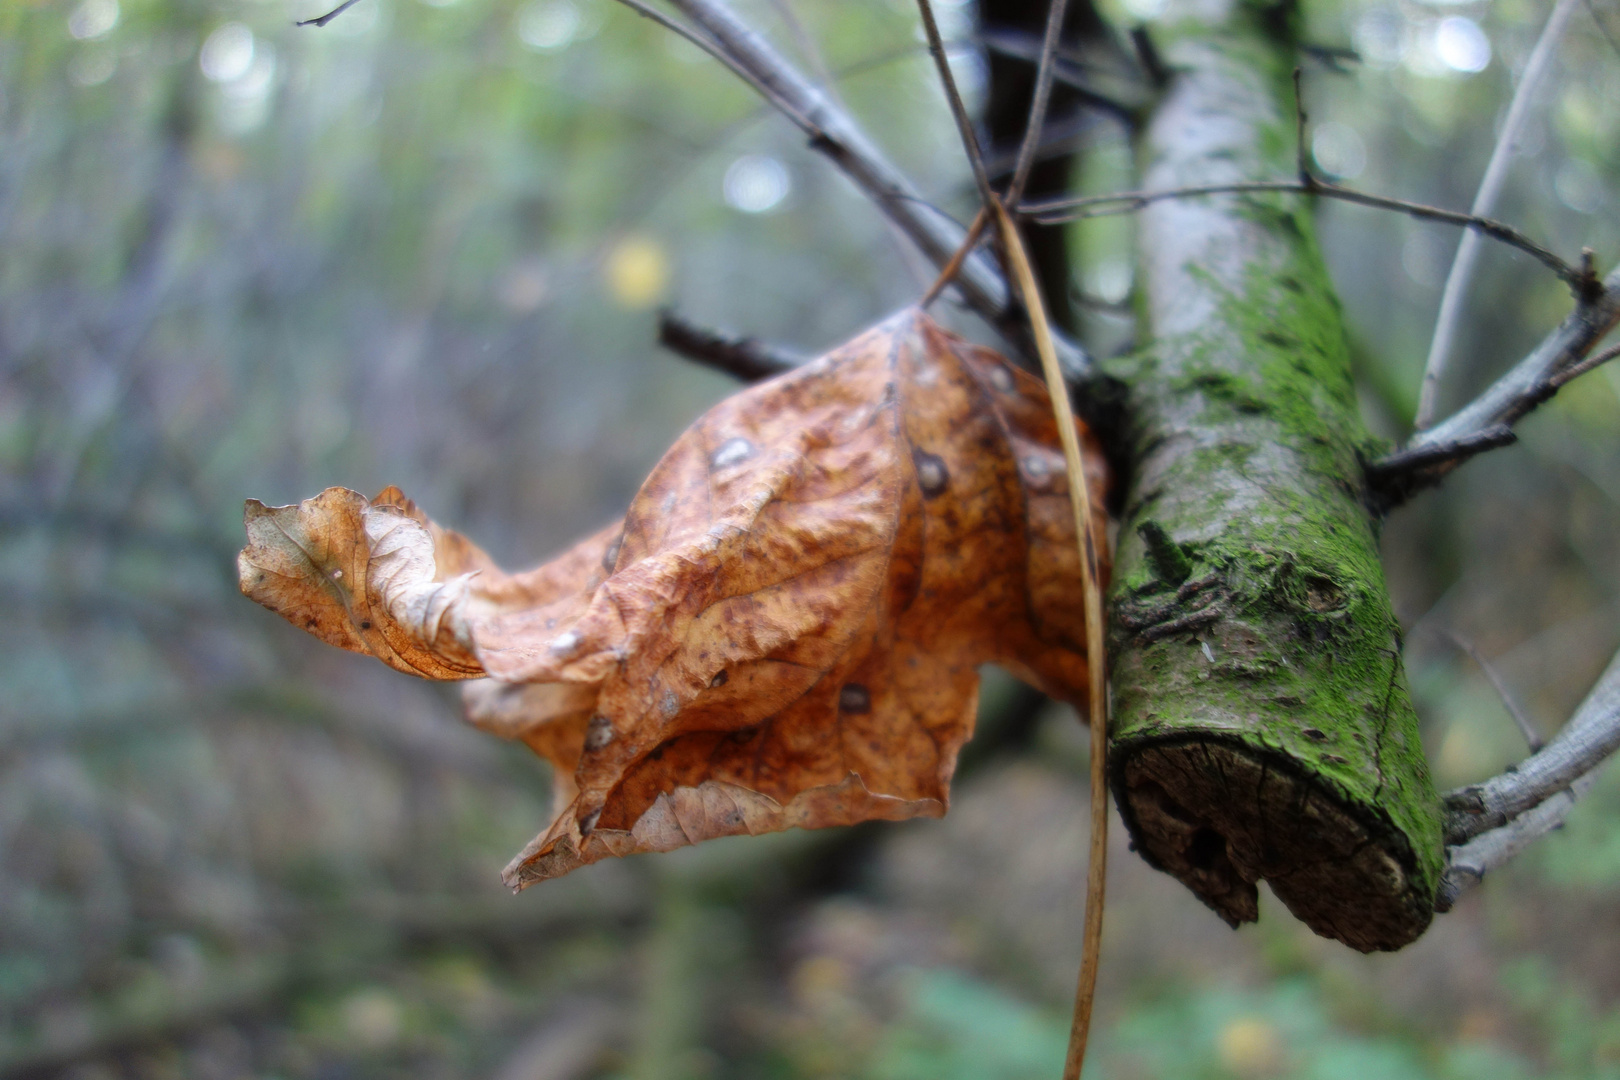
<point>1490,822</point>
<point>1488,420</point>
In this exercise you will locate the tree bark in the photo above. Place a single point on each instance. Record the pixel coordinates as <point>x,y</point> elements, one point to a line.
<point>1262,725</point>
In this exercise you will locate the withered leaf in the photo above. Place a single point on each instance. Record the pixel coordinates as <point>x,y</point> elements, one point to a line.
<point>787,627</point>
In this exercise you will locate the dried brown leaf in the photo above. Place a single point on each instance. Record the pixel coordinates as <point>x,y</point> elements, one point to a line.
<point>787,629</point>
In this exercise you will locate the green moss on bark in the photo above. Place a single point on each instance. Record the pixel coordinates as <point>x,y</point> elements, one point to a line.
<point>1279,646</point>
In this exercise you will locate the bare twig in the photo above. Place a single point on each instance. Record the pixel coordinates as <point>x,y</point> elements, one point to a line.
<point>834,134</point>
<point>1301,157</point>
<point>330,15</point>
<point>959,113</point>
<point>948,274</point>
<point>1603,27</point>
<point>1041,98</point>
<point>1120,98</point>
<point>742,357</point>
<point>1483,423</point>
<point>1053,211</point>
<point>1489,823</point>
<point>1467,257</point>
<point>1532,737</point>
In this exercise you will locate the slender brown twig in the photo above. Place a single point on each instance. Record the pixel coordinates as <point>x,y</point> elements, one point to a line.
<point>1042,97</point>
<point>1096,666</point>
<point>1074,208</point>
<point>964,122</point>
<point>946,275</point>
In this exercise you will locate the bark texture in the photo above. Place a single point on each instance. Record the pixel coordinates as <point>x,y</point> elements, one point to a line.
<point>1262,723</point>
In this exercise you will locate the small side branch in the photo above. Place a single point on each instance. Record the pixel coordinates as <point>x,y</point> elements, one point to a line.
<point>1487,422</point>
<point>1489,823</point>
<point>742,357</point>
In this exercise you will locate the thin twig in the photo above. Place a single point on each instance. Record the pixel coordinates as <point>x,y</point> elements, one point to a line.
<point>1096,667</point>
<point>948,274</point>
<point>1302,159</point>
<point>1603,28</point>
<point>1532,737</point>
<point>1036,122</point>
<point>743,357</point>
<point>964,122</point>
<point>1467,257</point>
<point>330,15</point>
<point>1054,211</point>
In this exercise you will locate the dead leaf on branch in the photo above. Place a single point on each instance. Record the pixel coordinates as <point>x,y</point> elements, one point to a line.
<point>785,630</point>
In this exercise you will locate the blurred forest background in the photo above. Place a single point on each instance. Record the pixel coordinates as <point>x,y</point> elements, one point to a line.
<point>425,245</point>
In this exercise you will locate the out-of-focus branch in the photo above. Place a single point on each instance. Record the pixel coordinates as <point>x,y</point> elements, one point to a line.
<point>1462,266</point>
<point>1490,822</point>
<point>959,113</point>
<point>835,134</point>
<point>1487,421</point>
<point>743,357</point>
<point>1039,100</point>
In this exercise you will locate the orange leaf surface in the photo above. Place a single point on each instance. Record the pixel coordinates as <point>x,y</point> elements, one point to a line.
<point>787,627</point>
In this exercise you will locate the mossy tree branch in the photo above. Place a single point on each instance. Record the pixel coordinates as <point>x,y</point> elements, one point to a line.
<point>1263,727</point>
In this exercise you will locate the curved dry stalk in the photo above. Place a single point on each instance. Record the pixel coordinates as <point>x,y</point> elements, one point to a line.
<point>1467,257</point>
<point>1097,867</point>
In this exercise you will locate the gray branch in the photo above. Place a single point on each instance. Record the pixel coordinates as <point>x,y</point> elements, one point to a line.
<point>1462,266</point>
<point>1487,421</point>
<point>1489,823</point>
<point>835,134</point>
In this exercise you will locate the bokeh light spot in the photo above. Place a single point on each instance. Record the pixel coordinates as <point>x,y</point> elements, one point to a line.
<point>1461,45</point>
<point>93,19</point>
<point>227,55</point>
<point>548,25</point>
<point>637,272</point>
<point>1338,150</point>
<point>756,183</point>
